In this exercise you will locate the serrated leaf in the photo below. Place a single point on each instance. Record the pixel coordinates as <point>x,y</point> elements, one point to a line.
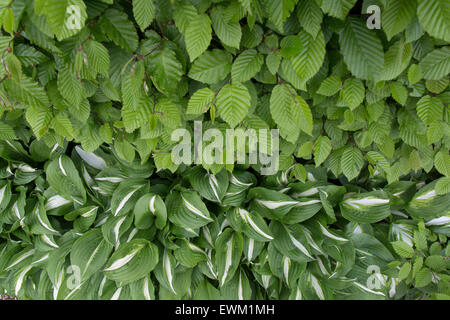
<point>233,102</point>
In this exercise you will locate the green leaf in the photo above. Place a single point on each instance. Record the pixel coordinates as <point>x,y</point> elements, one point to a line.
<point>308,62</point>
<point>132,261</point>
<point>414,74</point>
<point>403,249</point>
<point>310,16</point>
<point>330,86</point>
<point>211,67</point>
<point>28,92</point>
<point>322,149</point>
<point>423,278</point>
<point>399,92</point>
<point>144,12</point>
<point>229,32</point>
<point>98,56</point>
<point>65,17</point>
<point>279,11</point>
<point>198,36</point>
<point>396,60</point>
<point>442,162</point>
<point>337,8</point>
<point>228,254</point>
<point>367,207</point>
<point>397,15</point>
<point>90,252</point>
<point>63,177</point>
<point>353,93</point>
<point>168,113</point>
<point>233,102</point>
<point>119,29</point>
<point>434,17</point>
<point>285,112</point>
<point>352,162</point>
<point>429,109</point>
<point>246,65</point>
<point>200,101</point>
<point>404,271</point>
<point>436,64</point>
<point>70,87</point>
<point>362,49</point>
<point>165,70</point>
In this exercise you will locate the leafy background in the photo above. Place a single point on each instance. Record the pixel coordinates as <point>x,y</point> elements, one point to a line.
<point>87,178</point>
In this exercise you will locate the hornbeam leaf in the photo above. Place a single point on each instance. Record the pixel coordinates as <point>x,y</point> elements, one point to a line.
<point>246,65</point>
<point>198,36</point>
<point>397,15</point>
<point>200,101</point>
<point>233,102</point>
<point>119,29</point>
<point>144,12</point>
<point>434,17</point>
<point>362,49</point>
<point>436,64</point>
<point>337,8</point>
<point>211,67</point>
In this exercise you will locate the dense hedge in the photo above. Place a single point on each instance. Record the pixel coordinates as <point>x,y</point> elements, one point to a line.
<point>92,205</point>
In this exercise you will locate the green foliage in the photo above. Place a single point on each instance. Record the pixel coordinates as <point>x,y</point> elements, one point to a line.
<point>89,100</point>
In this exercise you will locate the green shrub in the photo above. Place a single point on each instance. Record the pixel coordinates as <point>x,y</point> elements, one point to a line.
<point>93,205</point>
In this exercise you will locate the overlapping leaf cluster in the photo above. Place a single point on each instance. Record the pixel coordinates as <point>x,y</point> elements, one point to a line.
<point>88,183</point>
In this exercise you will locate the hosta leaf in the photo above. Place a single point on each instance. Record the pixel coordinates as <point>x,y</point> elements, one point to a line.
<point>132,261</point>
<point>251,224</point>
<point>366,207</point>
<point>228,254</point>
<point>90,253</point>
<point>150,209</point>
<point>63,177</point>
<point>187,210</point>
<point>125,195</point>
<point>291,242</point>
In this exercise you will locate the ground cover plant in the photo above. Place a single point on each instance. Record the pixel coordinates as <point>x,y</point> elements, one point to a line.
<point>93,205</point>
